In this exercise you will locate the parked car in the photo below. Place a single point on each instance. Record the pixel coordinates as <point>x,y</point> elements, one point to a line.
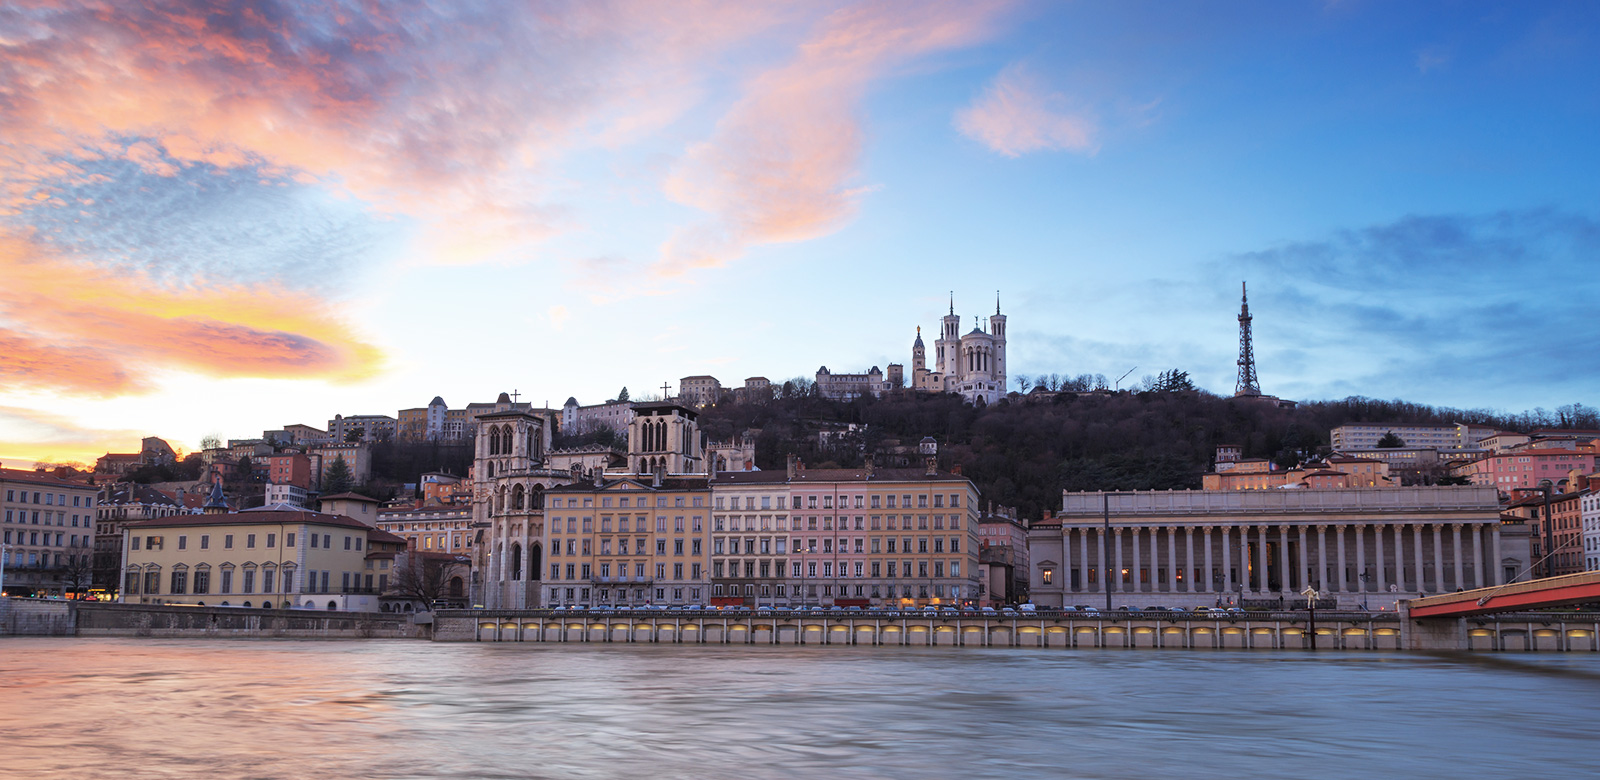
<point>1027,608</point>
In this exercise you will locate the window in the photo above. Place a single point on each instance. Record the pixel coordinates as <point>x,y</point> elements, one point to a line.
<point>202,581</point>
<point>183,542</point>
<point>205,544</point>
<point>180,579</point>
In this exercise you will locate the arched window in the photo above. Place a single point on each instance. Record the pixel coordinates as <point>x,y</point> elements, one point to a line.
<point>516,561</point>
<point>247,605</point>
<point>535,560</point>
<point>494,441</point>
<point>517,498</point>
<point>490,467</point>
<point>332,605</point>
<point>536,498</point>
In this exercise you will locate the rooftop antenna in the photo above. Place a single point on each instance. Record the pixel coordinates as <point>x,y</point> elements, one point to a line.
<point>1247,385</point>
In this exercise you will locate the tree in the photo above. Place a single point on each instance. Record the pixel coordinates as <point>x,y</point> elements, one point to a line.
<point>211,442</point>
<point>337,478</point>
<point>1453,479</point>
<point>354,435</point>
<point>425,577</point>
<point>1391,441</point>
<point>623,396</point>
<point>1023,383</point>
<point>77,574</point>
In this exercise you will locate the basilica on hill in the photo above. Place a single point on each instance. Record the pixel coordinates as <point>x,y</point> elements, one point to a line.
<point>972,365</point>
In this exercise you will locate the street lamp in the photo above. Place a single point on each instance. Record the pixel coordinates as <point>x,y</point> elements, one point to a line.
<point>1311,595</point>
<point>1549,532</point>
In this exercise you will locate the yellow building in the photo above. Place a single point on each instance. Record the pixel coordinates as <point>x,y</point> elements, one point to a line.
<point>258,558</point>
<point>628,541</point>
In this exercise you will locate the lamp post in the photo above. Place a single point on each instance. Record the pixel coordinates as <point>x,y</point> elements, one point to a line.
<point>1311,595</point>
<point>1105,533</point>
<point>1549,532</point>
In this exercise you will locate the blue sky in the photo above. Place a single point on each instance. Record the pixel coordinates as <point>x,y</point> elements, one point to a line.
<point>220,218</point>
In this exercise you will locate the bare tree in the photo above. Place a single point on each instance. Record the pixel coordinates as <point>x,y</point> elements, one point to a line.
<point>425,577</point>
<point>77,574</point>
<point>1024,383</point>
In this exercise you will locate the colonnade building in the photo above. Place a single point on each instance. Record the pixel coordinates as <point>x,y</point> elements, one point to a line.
<point>1363,547</point>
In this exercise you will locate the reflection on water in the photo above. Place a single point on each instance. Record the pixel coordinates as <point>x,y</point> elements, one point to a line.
<point>293,709</point>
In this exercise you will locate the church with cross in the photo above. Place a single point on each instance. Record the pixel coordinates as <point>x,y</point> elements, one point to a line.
<point>972,365</point>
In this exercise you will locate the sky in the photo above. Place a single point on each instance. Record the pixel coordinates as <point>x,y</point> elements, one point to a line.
<point>221,218</point>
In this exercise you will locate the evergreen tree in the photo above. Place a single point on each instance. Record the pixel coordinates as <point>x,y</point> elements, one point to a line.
<point>1391,441</point>
<point>623,396</point>
<point>337,479</point>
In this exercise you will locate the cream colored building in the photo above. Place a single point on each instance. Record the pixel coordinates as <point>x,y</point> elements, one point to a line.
<point>48,530</point>
<point>258,558</point>
<point>1362,546</point>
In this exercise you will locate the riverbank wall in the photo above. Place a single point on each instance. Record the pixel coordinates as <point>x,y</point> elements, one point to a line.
<point>38,617</point>
<point>1557,632</point>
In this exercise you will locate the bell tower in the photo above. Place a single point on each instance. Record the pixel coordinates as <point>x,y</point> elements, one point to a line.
<point>664,437</point>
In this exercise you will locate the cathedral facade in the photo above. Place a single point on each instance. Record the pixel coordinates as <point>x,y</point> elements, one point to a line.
<point>971,365</point>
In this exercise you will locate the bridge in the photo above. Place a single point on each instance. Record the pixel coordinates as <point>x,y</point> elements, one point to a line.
<point>1528,596</point>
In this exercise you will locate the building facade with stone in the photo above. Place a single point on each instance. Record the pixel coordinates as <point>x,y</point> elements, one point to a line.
<point>259,557</point>
<point>1364,547</point>
<point>48,531</point>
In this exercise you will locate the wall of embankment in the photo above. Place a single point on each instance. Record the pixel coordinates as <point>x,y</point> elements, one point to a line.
<point>38,617</point>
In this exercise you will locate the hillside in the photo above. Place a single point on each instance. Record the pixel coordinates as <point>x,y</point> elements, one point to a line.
<point>1024,453</point>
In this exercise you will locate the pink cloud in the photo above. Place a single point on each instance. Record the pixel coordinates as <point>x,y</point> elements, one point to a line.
<point>781,165</point>
<point>1017,114</point>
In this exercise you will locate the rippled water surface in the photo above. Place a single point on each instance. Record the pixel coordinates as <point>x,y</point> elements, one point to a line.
<point>291,709</point>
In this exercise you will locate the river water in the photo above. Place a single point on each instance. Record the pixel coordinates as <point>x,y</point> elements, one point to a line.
<point>92,708</point>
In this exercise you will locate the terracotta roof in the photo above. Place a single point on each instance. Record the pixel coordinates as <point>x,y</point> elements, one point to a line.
<point>350,497</point>
<point>261,517</point>
<point>48,478</point>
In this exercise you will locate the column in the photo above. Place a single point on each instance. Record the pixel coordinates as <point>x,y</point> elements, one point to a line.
<point>1383,579</point>
<point>1227,559</point>
<point>1455,533</point>
<point>1360,530</point>
<point>1399,556</point>
<point>1172,559</point>
<point>1285,577</point>
<point>1322,557</point>
<point>1496,576</point>
<point>1305,558</point>
<point>1105,571</point>
<point>1339,585</point>
<point>1133,570</point>
<point>1416,554</point>
<point>1477,557</point>
<point>1208,585</point>
<point>1155,556</point>
<point>1116,574</point>
<point>1260,560</point>
<point>1084,558</point>
<point>1438,558</point>
<point>1188,558</point>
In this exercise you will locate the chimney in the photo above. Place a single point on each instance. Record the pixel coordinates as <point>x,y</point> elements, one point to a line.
<point>870,467</point>
<point>956,469</point>
<point>655,479</point>
<point>599,476</point>
<point>931,463</point>
<point>793,466</point>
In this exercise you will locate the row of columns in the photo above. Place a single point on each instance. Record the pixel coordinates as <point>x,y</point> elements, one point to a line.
<point>1390,542</point>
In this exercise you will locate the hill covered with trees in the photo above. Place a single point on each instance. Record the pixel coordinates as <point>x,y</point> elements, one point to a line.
<point>1023,452</point>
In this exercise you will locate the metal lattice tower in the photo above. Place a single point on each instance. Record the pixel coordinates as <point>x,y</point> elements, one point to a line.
<point>1248,384</point>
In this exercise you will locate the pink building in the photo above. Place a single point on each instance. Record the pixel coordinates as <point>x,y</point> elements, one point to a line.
<point>1524,469</point>
<point>882,537</point>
